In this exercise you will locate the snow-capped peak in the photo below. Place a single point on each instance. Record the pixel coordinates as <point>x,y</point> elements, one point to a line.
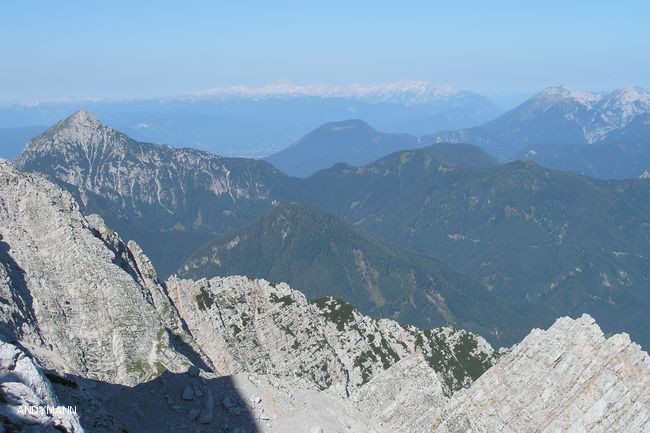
<point>622,96</point>
<point>623,105</point>
<point>630,95</point>
<point>415,92</point>
<point>562,92</point>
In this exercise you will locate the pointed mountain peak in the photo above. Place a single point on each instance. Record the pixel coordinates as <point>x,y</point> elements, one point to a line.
<point>82,118</point>
<point>82,130</point>
<point>82,127</point>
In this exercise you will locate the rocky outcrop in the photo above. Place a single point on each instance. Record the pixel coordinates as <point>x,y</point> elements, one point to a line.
<point>407,397</point>
<point>70,294</point>
<point>598,385</point>
<point>27,400</point>
<point>254,326</point>
<point>570,378</point>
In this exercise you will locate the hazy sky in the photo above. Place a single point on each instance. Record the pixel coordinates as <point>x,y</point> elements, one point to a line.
<point>51,49</point>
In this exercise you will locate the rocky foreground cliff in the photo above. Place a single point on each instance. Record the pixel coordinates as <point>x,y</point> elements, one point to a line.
<point>72,292</point>
<point>86,323</point>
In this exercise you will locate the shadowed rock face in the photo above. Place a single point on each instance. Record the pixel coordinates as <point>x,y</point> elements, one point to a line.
<point>23,384</point>
<point>172,402</point>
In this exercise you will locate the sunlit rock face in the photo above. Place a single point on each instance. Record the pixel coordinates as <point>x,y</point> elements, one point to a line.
<point>246,325</point>
<point>570,378</point>
<point>74,299</point>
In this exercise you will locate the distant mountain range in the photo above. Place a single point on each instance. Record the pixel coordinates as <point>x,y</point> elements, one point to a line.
<point>352,142</point>
<point>407,92</point>
<point>550,242</point>
<point>600,135</point>
<point>319,254</point>
<point>255,122</point>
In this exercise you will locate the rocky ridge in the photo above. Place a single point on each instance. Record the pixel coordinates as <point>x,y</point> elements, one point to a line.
<point>603,112</point>
<point>570,378</point>
<point>253,326</point>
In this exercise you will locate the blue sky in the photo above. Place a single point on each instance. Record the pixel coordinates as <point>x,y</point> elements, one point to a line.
<point>129,49</point>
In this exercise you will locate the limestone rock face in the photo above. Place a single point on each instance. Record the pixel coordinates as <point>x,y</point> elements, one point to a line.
<point>248,325</point>
<point>24,386</point>
<point>407,397</point>
<point>69,295</point>
<point>567,379</point>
